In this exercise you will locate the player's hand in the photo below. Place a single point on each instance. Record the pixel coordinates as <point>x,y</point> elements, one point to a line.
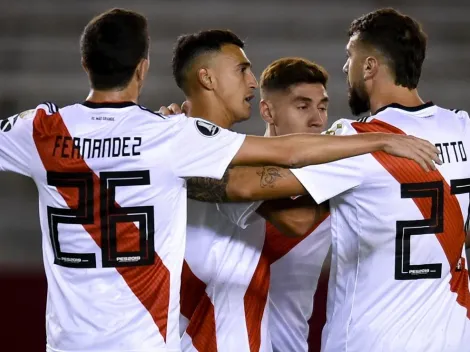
<point>423,152</point>
<point>172,109</point>
<point>186,107</point>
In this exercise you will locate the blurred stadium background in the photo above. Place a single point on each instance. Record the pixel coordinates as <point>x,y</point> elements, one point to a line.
<point>40,61</point>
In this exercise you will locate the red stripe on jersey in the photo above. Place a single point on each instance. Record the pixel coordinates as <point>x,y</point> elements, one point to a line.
<point>453,238</point>
<point>277,245</point>
<point>202,326</point>
<point>318,319</point>
<point>150,284</point>
<point>255,299</point>
<point>192,291</point>
<point>198,308</point>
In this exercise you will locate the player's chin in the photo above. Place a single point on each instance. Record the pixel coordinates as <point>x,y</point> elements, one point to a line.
<point>242,118</point>
<point>245,114</point>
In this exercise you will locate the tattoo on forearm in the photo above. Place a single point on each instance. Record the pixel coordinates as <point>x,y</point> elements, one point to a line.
<point>269,175</point>
<point>206,189</point>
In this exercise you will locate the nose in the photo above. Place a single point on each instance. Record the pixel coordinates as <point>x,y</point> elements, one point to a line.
<point>317,119</point>
<point>345,68</point>
<point>253,81</point>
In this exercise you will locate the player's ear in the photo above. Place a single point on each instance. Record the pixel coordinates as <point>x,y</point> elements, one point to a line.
<point>206,78</point>
<point>371,67</point>
<point>142,69</point>
<point>265,111</point>
<point>84,66</point>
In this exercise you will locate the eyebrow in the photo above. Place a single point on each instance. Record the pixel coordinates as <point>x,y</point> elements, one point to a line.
<point>301,98</point>
<point>245,64</point>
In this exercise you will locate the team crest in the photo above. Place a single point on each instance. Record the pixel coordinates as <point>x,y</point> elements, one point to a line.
<point>7,124</point>
<point>25,114</point>
<point>207,129</point>
<point>334,128</point>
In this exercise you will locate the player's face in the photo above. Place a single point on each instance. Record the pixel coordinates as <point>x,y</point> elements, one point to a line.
<point>301,109</point>
<point>235,81</point>
<point>358,97</point>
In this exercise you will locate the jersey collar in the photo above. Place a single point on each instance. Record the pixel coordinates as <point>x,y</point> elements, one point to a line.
<point>112,105</point>
<point>406,108</point>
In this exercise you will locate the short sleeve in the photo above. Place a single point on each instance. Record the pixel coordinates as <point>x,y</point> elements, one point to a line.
<point>202,149</point>
<point>326,181</point>
<point>16,141</point>
<point>462,114</point>
<point>240,214</point>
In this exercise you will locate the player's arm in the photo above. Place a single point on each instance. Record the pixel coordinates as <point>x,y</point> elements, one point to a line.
<point>240,184</point>
<point>274,182</point>
<point>298,150</point>
<point>293,217</point>
<point>201,149</point>
<point>16,143</point>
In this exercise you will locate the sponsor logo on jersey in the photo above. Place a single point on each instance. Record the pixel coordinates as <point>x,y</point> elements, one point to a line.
<point>7,124</point>
<point>207,129</point>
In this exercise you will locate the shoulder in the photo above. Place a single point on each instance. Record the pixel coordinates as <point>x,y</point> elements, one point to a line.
<point>460,113</point>
<point>341,127</point>
<point>149,112</point>
<point>48,107</point>
<point>19,119</point>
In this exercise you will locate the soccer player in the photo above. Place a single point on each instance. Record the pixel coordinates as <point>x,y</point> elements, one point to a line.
<point>220,305</point>
<point>408,288</point>
<point>112,192</point>
<point>399,278</point>
<point>294,100</point>
<point>226,272</point>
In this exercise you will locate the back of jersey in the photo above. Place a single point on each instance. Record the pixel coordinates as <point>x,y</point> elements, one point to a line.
<point>400,279</point>
<point>428,300</point>
<point>113,216</point>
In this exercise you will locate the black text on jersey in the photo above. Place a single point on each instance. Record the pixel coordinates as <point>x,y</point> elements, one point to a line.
<point>86,148</point>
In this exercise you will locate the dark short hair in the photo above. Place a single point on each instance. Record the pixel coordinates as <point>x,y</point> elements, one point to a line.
<point>399,38</point>
<point>112,45</point>
<point>190,46</point>
<point>286,72</point>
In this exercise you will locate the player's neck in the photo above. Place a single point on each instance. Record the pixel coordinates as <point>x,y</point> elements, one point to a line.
<point>394,95</point>
<point>100,96</point>
<point>210,110</point>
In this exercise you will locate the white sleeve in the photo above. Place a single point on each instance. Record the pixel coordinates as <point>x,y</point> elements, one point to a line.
<point>16,142</point>
<point>202,149</point>
<point>326,181</point>
<point>462,114</point>
<point>241,214</point>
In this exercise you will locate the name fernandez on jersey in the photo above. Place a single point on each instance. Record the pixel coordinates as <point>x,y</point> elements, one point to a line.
<point>67,147</point>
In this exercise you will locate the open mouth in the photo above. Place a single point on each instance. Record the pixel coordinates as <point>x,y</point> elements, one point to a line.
<point>249,98</point>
